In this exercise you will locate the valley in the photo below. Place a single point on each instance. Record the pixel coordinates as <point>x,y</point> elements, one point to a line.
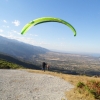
<point>70,63</point>
<point>32,57</point>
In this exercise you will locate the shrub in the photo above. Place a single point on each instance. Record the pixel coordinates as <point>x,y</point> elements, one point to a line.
<point>92,86</point>
<point>80,85</point>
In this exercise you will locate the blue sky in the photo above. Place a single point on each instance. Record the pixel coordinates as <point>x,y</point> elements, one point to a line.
<point>84,15</point>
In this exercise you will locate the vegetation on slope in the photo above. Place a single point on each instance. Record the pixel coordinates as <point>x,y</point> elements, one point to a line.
<point>79,81</point>
<point>86,88</point>
<point>92,87</point>
<point>9,61</point>
<point>8,65</point>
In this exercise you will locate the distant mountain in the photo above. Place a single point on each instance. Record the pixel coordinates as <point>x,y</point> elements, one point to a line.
<point>19,49</point>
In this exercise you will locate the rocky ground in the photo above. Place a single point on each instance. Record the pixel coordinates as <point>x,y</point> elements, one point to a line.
<point>22,85</point>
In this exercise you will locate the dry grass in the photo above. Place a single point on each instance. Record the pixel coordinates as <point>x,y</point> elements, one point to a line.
<point>74,94</point>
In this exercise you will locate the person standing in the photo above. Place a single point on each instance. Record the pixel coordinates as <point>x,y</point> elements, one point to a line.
<point>44,65</point>
<point>47,67</point>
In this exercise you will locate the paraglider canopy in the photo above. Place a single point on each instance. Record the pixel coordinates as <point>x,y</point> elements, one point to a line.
<point>46,19</point>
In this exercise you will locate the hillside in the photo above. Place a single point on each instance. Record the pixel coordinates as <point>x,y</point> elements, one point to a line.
<point>19,49</point>
<point>29,56</point>
<point>8,62</point>
<point>89,91</point>
<point>82,67</point>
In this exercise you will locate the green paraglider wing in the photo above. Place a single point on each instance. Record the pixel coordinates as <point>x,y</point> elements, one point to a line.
<point>46,19</point>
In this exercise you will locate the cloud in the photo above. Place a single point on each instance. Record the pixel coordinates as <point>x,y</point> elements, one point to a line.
<point>4,21</point>
<point>13,31</point>
<point>16,22</point>
<point>15,35</point>
<point>1,30</point>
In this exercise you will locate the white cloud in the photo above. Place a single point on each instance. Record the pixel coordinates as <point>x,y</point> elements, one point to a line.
<point>4,21</point>
<point>16,22</point>
<point>15,32</point>
<point>1,30</point>
<point>15,35</point>
<point>10,36</point>
<point>32,35</point>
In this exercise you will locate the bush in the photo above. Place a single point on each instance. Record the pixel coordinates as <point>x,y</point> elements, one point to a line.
<point>92,87</point>
<point>8,65</point>
<point>80,85</point>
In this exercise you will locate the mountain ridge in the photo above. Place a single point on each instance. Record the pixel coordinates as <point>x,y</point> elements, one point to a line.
<point>19,49</point>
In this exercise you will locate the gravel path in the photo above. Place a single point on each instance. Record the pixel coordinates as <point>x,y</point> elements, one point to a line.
<point>22,85</point>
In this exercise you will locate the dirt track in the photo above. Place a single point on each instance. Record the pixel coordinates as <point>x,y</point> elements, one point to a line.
<point>22,85</point>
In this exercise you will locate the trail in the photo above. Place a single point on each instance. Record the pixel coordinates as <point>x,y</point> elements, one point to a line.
<point>22,85</point>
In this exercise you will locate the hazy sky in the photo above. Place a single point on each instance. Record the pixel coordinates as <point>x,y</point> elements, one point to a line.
<point>84,15</point>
